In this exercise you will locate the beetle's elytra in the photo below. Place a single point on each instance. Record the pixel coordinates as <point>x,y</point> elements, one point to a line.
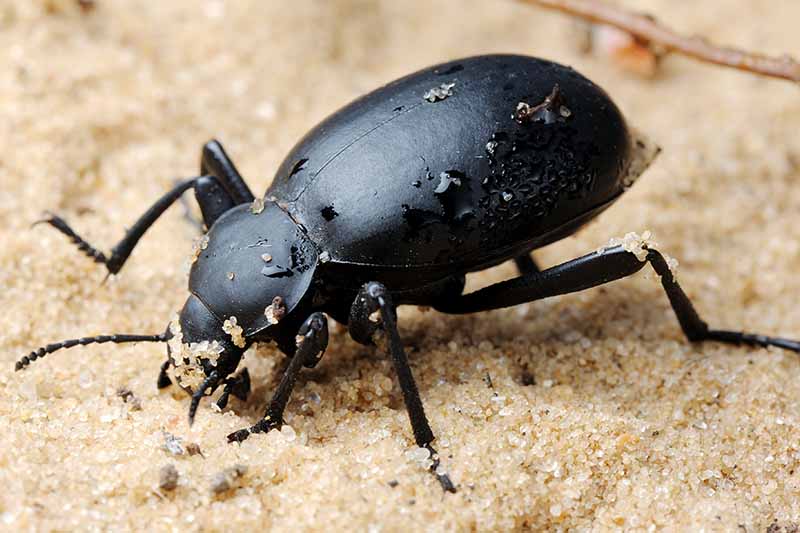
<point>392,200</point>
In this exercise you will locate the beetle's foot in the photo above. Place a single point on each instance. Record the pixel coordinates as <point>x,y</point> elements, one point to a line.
<point>239,436</point>
<point>264,425</point>
<point>61,225</point>
<point>222,402</point>
<point>163,378</point>
<point>441,475</point>
<point>238,386</point>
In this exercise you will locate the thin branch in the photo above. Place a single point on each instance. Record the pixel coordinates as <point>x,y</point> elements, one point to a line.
<point>647,29</point>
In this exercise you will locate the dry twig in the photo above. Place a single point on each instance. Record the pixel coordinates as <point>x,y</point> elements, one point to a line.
<point>647,29</point>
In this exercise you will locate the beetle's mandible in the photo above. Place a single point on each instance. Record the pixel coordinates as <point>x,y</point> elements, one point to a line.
<point>392,200</point>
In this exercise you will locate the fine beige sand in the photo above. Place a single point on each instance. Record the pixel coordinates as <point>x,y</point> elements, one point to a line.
<point>600,416</point>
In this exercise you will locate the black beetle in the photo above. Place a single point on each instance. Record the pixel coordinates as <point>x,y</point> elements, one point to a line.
<point>393,200</point>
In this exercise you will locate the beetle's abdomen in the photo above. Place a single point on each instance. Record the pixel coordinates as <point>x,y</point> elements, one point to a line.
<point>460,164</point>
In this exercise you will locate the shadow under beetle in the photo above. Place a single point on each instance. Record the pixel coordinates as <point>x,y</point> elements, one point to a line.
<point>393,200</point>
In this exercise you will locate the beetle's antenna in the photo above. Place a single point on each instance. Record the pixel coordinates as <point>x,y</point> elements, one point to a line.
<point>118,338</point>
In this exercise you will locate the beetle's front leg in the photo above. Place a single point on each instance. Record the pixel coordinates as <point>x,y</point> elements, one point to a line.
<point>312,339</point>
<point>373,320</point>
<point>163,380</point>
<point>238,385</point>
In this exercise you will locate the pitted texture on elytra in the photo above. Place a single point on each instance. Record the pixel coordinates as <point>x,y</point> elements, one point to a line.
<point>532,171</point>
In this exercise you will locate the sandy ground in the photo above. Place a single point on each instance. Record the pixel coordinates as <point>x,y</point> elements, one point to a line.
<point>625,426</point>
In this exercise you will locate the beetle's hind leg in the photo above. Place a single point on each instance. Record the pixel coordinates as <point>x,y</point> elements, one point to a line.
<point>215,162</point>
<point>373,320</point>
<point>596,269</point>
<point>526,264</point>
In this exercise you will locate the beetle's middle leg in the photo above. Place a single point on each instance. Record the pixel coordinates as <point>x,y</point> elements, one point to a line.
<point>215,161</point>
<point>212,197</point>
<point>373,320</point>
<point>596,269</point>
<point>312,339</point>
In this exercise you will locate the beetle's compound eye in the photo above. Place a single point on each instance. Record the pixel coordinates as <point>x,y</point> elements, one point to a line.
<point>200,345</point>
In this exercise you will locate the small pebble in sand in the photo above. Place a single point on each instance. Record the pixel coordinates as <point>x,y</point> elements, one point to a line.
<point>168,477</point>
<point>174,445</point>
<point>227,479</point>
<point>129,398</point>
<point>192,448</point>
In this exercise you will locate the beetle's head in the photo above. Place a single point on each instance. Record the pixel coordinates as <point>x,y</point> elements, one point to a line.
<point>202,350</point>
<point>251,278</point>
<point>250,281</point>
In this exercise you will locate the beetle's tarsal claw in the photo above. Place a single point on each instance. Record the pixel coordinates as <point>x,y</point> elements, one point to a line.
<point>163,380</point>
<point>61,225</point>
<point>47,217</point>
<point>265,425</point>
<point>239,436</point>
<point>222,402</point>
<point>445,482</point>
<point>442,477</point>
<point>237,386</point>
<point>240,385</point>
<point>196,397</point>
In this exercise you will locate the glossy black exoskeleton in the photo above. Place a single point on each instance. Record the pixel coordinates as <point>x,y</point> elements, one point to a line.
<point>393,200</point>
